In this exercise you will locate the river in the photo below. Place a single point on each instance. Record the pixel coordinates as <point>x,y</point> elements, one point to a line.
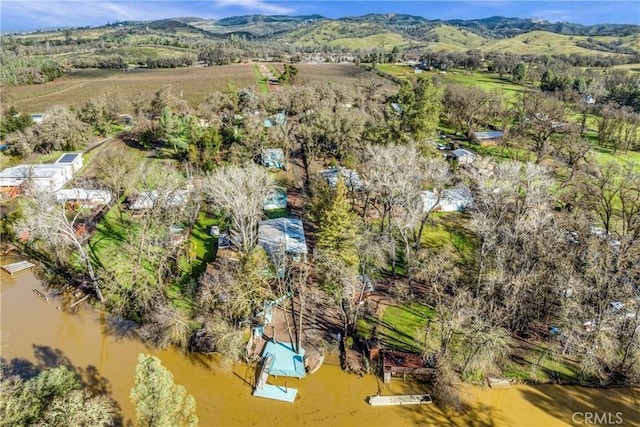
<point>35,335</point>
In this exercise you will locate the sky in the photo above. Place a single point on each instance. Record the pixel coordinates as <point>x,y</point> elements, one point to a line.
<point>25,15</point>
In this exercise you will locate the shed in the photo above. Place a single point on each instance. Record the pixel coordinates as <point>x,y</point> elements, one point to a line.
<point>350,176</point>
<point>283,235</point>
<point>449,200</point>
<point>273,158</point>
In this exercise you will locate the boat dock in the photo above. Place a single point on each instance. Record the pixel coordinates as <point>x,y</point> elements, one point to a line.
<point>17,267</point>
<point>400,399</point>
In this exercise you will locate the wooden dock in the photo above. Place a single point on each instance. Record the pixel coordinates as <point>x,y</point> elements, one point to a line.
<point>400,399</point>
<point>17,267</point>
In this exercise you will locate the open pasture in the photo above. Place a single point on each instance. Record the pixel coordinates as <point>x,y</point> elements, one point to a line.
<point>193,84</point>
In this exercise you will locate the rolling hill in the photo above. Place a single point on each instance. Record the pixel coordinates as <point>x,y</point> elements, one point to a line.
<point>369,32</point>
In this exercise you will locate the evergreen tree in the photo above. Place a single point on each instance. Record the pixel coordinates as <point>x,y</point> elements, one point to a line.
<point>158,400</point>
<point>166,124</point>
<point>425,115</point>
<point>338,228</point>
<point>519,73</point>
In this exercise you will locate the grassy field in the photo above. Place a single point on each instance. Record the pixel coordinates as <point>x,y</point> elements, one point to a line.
<point>484,80</point>
<point>192,84</point>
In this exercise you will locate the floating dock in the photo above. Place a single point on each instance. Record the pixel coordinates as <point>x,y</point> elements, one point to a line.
<point>276,392</point>
<point>400,399</point>
<point>17,267</point>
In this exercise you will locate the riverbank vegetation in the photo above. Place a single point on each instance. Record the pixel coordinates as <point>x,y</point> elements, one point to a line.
<point>536,281</point>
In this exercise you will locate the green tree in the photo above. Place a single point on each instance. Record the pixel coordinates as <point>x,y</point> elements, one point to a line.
<point>519,73</point>
<point>158,400</point>
<point>289,74</point>
<point>338,228</point>
<point>54,397</point>
<point>418,110</point>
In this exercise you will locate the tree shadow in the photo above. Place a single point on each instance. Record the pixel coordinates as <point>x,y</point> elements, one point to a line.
<point>119,327</point>
<point>568,402</point>
<point>48,358</point>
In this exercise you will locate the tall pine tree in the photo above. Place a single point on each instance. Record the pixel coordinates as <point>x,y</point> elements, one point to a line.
<point>339,227</point>
<point>158,400</point>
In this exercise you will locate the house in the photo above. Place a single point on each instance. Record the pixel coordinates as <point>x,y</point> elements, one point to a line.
<point>462,156</point>
<point>283,236</point>
<point>83,198</point>
<point>487,138</point>
<point>449,200</point>
<point>350,176</point>
<point>38,177</point>
<point>273,158</point>
<point>149,199</point>
<point>276,199</point>
<point>589,100</point>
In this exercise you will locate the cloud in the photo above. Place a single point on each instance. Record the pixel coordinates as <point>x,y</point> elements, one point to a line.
<point>255,6</point>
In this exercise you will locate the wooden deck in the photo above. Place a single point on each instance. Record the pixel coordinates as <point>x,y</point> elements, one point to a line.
<point>17,267</point>
<point>400,399</point>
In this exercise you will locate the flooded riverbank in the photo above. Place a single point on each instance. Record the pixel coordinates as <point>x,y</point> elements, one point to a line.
<point>36,335</point>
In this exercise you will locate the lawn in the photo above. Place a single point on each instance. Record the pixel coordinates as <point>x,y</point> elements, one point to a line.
<point>448,228</point>
<point>402,327</point>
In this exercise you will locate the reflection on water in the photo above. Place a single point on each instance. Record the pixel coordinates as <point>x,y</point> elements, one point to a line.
<point>103,351</point>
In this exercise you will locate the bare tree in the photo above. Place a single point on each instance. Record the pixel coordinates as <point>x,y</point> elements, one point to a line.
<point>50,222</point>
<point>240,192</point>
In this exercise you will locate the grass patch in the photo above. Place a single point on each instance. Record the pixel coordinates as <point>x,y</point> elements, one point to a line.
<point>448,228</point>
<point>204,245</point>
<point>262,82</point>
<point>402,326</point>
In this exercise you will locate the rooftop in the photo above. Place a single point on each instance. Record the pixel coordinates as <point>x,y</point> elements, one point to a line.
<point>282,235</point>
<point>31,171</point>
<point>461,152</point>
<point>83,194</point>
<point>350,176</point>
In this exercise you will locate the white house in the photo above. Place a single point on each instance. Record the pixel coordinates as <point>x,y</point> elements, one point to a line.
<point>84,197</point>
<point>350,176</point>
<point>149,199</point>
<point>38,177</point>
<point>450,200</point>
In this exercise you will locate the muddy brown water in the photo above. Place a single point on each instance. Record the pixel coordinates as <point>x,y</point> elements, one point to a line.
<point>35,335</point>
